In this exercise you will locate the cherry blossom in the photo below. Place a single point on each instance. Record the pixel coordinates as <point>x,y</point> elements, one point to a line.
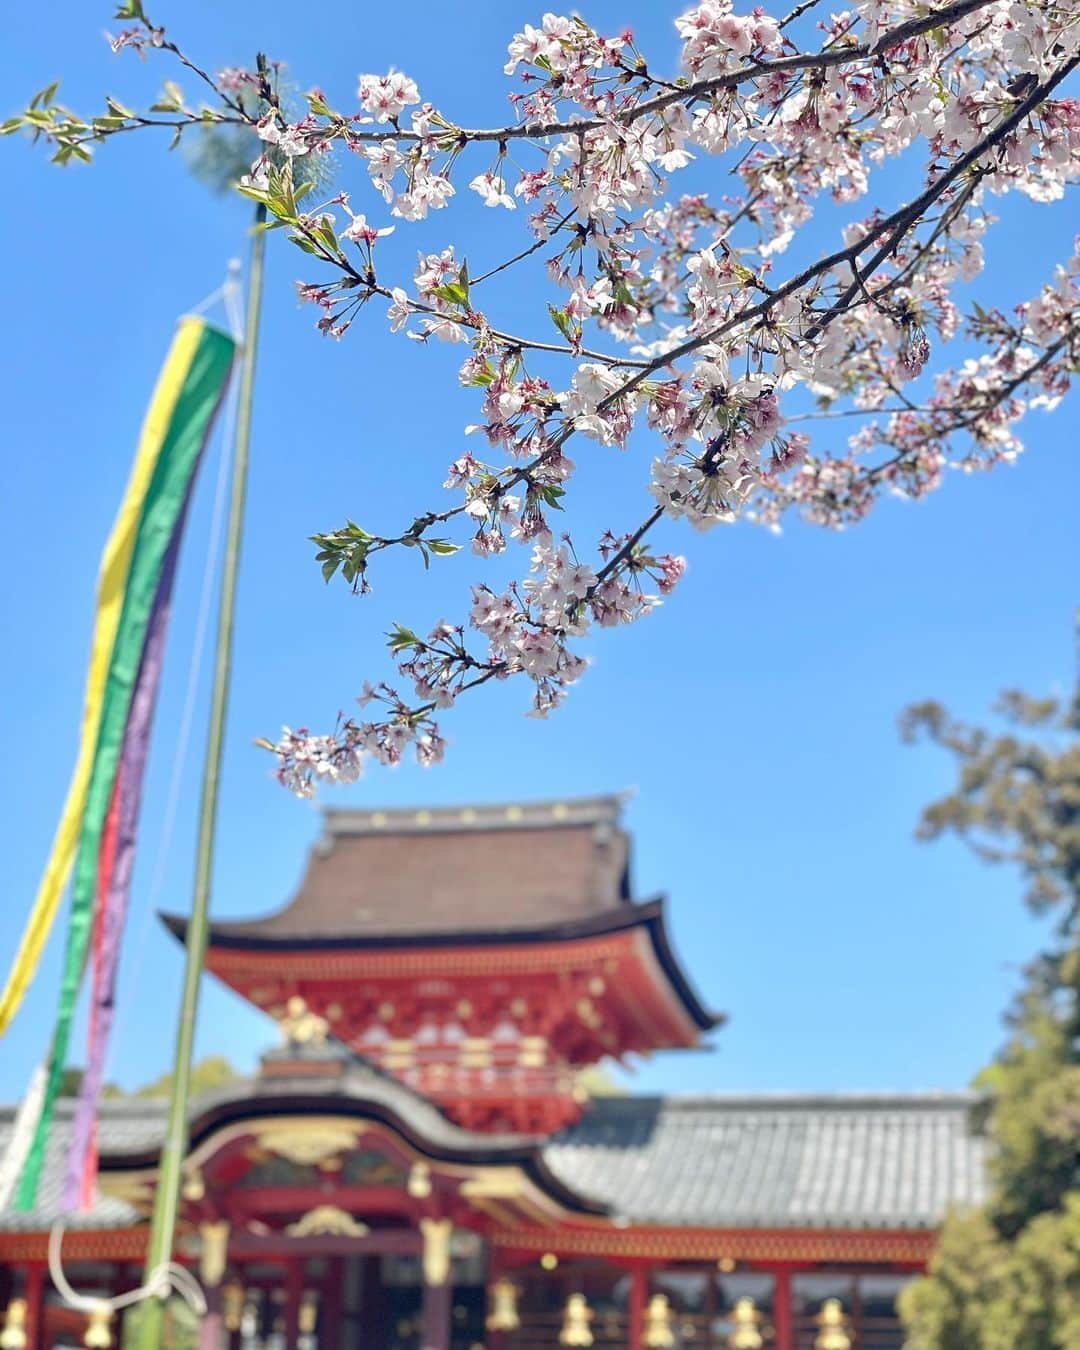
<point>673,341</point>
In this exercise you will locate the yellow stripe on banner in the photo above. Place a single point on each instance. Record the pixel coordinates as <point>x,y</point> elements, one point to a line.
<point>112,582</point>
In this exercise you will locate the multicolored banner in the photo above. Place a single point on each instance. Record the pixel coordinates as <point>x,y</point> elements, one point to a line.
<point>97,827</point>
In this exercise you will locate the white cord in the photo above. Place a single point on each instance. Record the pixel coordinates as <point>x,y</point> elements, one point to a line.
<point>163,1278</point>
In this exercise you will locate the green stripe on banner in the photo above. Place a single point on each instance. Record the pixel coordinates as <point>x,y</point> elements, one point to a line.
<point>177,461</point>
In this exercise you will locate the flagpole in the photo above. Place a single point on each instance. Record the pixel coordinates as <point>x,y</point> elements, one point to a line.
<point>167,1194</point>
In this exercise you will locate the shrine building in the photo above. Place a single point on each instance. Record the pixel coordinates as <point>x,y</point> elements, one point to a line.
<point>417,1166</point>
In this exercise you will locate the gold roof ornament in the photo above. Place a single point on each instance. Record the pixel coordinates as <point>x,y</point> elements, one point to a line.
<point>503,1313</point>
<point>300,1026</point>
<point>232,1304</point>
<point>327,1220</point>
<point>98,1334</point>
<point>13,1332</point>
<point>658,1331</point>
<point>833,1334</point>
<point>745,1320</point>
<point>575,1325</point>
<point>306,1143</point>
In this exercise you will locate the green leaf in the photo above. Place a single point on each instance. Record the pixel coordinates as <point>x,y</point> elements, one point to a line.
<point>45,96</point>
<point>443,548</point>
<point>170,100</point>
<point>12,124</point>
<point>454,293</point>
<point>561,320</point>
<point>401,638</point>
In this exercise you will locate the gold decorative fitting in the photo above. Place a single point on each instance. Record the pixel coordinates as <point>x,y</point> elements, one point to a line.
<point>304,1143</point>
<point>436,1259</point>
<point>194,1188</point>
<point>215,1245</point>
<point>514,813</point>
<point>232,1305</point>
<point>658,1332</point>
<point>98,1335</point>
<point>726,1264</point>
<point>308,1318</point>
<point>327,1220</point>
<point>334,1012</point>
<point>745,1320</point>
<point>13,1332</point>
<point>549,1261</point>
<point>503,1313</point>
<point>300,1026</point>
<point>576,1318</point>
<point>419,1183</point>
<point>833,1327</point>
<point>128,1187</point>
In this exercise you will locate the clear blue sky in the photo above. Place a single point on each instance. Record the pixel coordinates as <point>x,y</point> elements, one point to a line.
<point>754,715</point>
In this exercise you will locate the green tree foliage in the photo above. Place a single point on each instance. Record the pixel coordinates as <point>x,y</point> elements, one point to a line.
<point>1008,1276</point>
<point>212,1072</point>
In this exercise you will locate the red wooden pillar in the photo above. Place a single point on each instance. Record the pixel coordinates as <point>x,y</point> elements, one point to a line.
<point>330,1312</point>
<point>783,1327</point>
<point>495,1337</point>
<point>34,1293</point>
<point>435,1316</point>
<point>294,1288</point>
<point>635,1312</point>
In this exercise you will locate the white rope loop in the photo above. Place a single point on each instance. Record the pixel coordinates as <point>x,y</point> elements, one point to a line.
<point>163,1279</point>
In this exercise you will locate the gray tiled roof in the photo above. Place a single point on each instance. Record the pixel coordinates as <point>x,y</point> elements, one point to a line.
<point>776,1161</point>
<point>720,1161</point>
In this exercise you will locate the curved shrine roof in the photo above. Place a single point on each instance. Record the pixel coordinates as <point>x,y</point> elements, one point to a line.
<point>894,1162</point>
<point>443,872</point>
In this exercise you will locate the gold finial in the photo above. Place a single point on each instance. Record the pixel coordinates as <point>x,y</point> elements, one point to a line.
<point>232,1304</point>
<point>13,1332</point>
<point>419,1183</point>
<point>744,1326</point>
<point>833,1327</point>
<point>658,1332</point>
<point>503,1314</point>
<point>98,1336</point>
<point>576,1318</point>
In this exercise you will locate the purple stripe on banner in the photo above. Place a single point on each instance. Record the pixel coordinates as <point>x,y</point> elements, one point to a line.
<point>132,764</point>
